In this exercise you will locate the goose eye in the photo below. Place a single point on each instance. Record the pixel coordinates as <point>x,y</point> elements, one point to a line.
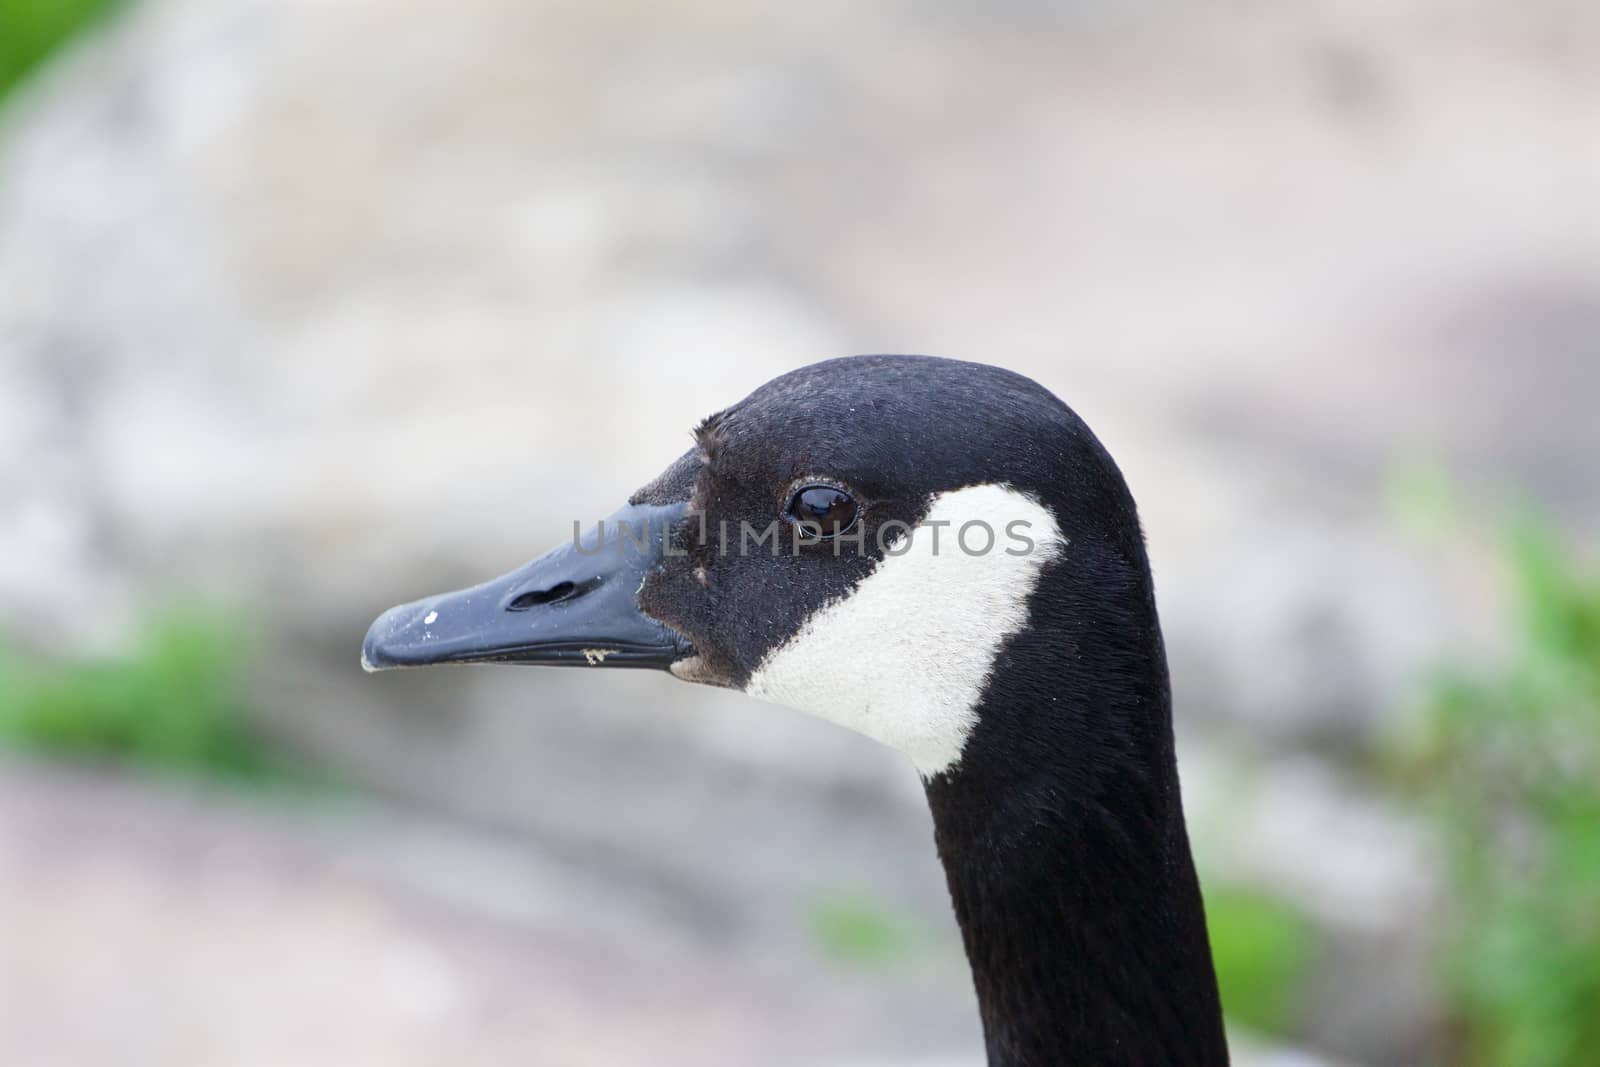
<point>823,508</point>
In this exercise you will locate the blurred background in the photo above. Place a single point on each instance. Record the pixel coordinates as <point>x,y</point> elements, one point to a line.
<point>308,307</point>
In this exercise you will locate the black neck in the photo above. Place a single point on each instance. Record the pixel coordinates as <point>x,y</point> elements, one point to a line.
<point>1062,836</point>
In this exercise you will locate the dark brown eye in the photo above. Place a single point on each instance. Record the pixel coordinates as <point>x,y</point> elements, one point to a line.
<point>824,510</point>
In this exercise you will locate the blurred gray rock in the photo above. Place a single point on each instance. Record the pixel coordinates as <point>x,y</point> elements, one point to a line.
<point>353,935</point>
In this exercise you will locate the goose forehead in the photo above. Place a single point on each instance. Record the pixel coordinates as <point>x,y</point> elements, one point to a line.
<point>904,657</point>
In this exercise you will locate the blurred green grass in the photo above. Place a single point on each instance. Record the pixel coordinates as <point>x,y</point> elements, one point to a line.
<point>172,703</point>
<point>1262,948</point>
<point>31,30</point>
<point>1503,759</point>
<point>853,929</point>
<point>1506,761</point>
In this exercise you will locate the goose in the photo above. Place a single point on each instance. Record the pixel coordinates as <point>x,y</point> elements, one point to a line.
<point>940,555</point>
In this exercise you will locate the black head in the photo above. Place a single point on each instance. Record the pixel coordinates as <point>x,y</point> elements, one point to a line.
<point>862,538</point>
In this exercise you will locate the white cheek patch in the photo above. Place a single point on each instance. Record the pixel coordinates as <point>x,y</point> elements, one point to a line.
<point>905,656</point>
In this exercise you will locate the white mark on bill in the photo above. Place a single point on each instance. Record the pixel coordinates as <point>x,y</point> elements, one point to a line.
<point>431,618</point>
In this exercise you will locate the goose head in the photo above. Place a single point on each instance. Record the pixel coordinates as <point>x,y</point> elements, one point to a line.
<point>939,555</point>
<point>859,539</point>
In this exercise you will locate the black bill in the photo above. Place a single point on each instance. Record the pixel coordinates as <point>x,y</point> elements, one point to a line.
<point>574,606</point>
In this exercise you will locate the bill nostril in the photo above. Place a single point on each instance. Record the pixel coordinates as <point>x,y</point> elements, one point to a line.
<point>534,597</point>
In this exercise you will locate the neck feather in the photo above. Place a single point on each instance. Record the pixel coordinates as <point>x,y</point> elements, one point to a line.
<point>1062,835</point>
